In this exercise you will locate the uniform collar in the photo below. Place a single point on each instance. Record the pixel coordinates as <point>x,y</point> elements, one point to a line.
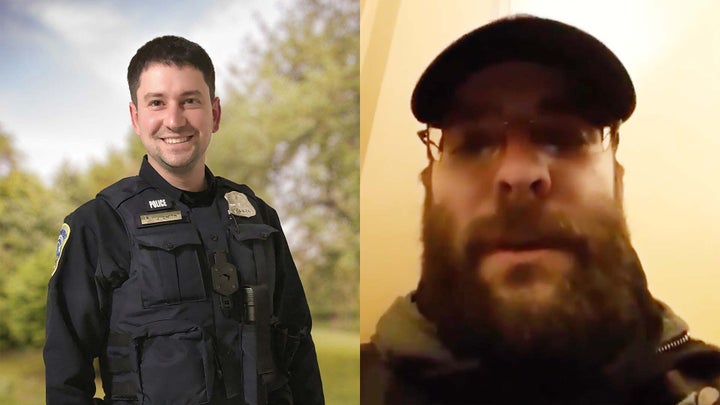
<point>149,174</point>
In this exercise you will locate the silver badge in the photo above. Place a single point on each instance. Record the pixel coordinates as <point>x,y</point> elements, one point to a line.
<point>239,205</point>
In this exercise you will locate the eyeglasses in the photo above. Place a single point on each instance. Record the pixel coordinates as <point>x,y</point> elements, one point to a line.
<point>560,136</point>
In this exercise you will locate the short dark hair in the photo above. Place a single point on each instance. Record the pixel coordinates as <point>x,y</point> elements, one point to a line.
<point>170,50</point>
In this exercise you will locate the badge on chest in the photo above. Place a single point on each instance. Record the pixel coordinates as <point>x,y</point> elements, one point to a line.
<point>224,275</point>
<point>238,204</point>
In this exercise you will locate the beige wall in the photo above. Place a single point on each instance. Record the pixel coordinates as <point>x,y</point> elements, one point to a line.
<point>670,147</point>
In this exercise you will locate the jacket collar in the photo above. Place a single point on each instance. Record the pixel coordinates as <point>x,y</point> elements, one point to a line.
<point>675,330</point>
<point>149,174</point>
<point>403,332</point>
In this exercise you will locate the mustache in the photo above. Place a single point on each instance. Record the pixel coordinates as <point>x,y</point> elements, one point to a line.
<point>186,130</point>
<point>604,295</point>
<point>521,226</point>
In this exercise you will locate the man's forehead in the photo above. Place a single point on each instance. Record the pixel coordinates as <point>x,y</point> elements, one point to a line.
<point>157,75</point>
<point>512,88</point>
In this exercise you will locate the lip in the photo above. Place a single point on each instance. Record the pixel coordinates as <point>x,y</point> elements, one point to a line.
<point>176,140</point>
<point>478,249</point>
<point>517,255</point>
<point>536,244</point>
<point>498,263</point>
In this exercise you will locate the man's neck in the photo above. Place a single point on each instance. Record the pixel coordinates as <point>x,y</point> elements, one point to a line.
<point>192,180</point>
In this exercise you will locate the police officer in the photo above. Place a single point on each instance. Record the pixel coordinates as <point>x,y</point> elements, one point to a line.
<point>530,291</point>
<point>181,283</point>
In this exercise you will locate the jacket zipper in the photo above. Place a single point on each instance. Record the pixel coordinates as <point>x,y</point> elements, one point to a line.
<point>674,343</point>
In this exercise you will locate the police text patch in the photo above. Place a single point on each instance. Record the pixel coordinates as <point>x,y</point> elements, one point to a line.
<point>154,205</point>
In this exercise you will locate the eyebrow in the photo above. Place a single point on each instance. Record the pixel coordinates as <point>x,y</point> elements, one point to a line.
<point>183,94</point>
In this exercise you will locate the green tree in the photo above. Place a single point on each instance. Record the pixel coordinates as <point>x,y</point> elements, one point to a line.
<point>31,216</point>
<point>26,294</point>
<point>78,186</point>
<point>291,131</point>
<point>8,160</point>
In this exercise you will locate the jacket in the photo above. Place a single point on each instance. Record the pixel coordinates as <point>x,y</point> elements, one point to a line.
<point>405,363</point>
<point>183,297</point>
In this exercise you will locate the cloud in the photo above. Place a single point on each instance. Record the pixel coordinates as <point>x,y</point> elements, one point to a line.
<point>84,25</point>
<point>65,95</point>
<point>224,30</point>
<point>98,38</point>
<point>86,37</point>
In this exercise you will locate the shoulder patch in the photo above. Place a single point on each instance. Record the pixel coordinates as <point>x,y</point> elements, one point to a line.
<point>62,239</point>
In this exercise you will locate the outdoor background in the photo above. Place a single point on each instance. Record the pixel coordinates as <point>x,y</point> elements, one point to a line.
<point>670,147</point>
<point>288,80</point>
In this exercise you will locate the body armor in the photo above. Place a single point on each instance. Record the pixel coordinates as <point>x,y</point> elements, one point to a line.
<point>190,322</point>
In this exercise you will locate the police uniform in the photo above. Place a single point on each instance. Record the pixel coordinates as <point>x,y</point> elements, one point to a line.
<point>185,298</point>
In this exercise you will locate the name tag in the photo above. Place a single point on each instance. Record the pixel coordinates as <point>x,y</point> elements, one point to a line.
<point>160,217</point>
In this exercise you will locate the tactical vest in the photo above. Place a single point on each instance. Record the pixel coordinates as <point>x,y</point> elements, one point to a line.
<point>190,321</point>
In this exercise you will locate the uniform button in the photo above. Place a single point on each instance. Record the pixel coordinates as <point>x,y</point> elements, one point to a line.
<point>169,245</point>
<point>214,237</point>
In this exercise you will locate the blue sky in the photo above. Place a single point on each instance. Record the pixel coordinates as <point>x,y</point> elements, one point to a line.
<point>63,94</point>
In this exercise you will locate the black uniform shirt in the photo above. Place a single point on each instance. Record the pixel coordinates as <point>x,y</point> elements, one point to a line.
<point>78,301</point>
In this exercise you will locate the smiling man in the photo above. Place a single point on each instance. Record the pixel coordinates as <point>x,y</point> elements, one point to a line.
<point>530,292</point>
<point>181,283</point>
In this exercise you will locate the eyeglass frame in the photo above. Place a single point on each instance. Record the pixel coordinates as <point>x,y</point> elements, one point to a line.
<point>612,130</point>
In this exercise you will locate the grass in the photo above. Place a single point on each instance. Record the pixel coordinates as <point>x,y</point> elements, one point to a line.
<point>339,359</point>
<point>22,374</point>
<point>22,377</point>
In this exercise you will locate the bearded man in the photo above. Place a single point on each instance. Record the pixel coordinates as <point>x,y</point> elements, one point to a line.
<point>530,292</point>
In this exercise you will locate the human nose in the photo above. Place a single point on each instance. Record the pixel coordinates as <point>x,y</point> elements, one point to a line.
<point>523,172</point>
<point>175,118</point>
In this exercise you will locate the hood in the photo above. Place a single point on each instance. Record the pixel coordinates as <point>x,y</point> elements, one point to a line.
<point>403,333</point>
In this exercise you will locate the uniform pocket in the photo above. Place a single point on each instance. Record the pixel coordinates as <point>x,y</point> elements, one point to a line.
<point>242,247</point>
<point>281,395</point>
<point>169,265</point>
<point>175,363</point>
<point>245,232</point>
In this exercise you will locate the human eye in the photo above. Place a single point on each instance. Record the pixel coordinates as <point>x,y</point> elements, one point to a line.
<point>564,136</point>
<point>155,103</point>
<point>191,102</point>
<point>472,142</point>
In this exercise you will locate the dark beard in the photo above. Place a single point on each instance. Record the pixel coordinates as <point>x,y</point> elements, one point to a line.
<point>600,309</point>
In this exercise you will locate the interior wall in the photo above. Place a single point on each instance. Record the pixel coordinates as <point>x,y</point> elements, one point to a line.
<point>670,147</point>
